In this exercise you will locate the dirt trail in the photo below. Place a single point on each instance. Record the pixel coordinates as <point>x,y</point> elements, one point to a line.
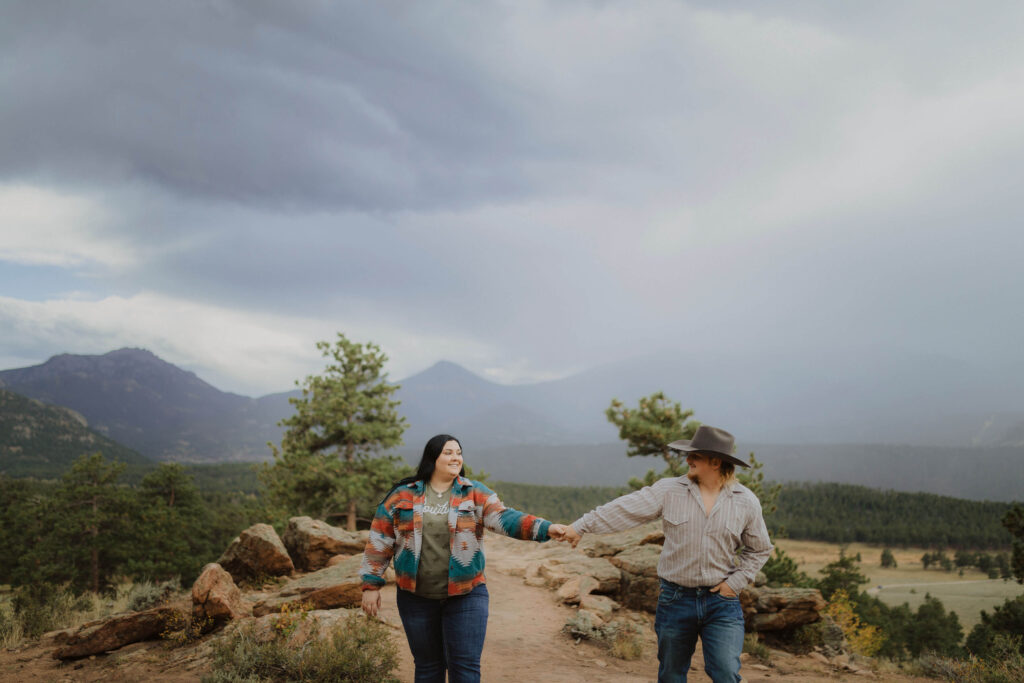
<point>525,643</point>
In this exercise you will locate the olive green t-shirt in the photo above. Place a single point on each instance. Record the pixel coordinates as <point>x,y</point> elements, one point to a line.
<point>435,553</point>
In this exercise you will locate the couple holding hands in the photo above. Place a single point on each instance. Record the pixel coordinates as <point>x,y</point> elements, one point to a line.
<point>431,526</point>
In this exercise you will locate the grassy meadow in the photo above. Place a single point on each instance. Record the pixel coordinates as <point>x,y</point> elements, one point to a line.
<point>909,581</point>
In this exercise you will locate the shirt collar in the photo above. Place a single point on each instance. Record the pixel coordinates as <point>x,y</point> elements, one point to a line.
<point>729,489</point>
<point>460,483</point>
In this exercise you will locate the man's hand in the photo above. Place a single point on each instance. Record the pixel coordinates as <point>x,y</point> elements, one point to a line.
<point>724,589</point>
<point>371,602</point>
<point>557,532</point>
<point>572,536</point>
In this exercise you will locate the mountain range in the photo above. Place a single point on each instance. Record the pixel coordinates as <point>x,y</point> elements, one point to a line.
<point>556,432</point>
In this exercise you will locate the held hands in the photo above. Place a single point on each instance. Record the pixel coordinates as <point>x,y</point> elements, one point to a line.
<point>371,602</point>
<point>724,589</point>
<point>562,532</point>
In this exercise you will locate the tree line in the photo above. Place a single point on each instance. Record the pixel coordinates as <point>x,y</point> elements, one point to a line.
<point>89,528</point>
<point>844,513</point>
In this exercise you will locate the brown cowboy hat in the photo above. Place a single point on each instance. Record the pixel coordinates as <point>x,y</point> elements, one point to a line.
<point>710,441</point>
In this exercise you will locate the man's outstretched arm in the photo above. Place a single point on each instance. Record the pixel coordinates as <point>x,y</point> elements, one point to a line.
<point>625,512</point>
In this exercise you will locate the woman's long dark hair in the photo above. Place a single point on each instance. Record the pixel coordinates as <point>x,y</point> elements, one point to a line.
<point>427,463</point>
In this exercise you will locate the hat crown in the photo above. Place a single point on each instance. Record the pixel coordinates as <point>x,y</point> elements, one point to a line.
<point>713,439</point>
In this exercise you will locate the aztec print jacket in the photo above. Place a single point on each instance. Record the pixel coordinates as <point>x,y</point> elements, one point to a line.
<point>397,531</point>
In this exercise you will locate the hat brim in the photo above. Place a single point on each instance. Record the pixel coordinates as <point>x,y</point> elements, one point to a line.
<point>686,446</point>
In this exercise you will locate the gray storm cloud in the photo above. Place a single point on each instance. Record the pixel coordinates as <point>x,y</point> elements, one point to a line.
<point>549,185</point>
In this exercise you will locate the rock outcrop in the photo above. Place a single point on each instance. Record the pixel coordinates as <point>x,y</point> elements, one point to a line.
<point>330,588</point>
<point>635,554</point>
<point>256,552</point>
<point>311,543</point>
<point>779,609</point>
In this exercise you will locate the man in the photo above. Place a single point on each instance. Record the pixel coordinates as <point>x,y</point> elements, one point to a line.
<point>715,542</point>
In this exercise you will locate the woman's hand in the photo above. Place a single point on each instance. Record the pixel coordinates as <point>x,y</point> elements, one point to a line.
<point>563,532</point>
<point>371,602</point>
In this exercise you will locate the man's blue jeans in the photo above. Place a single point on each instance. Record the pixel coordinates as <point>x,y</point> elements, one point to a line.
<point>685,613</point>
<point>445,634</point>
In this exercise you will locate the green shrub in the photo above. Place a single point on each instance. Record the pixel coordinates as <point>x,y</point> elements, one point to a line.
<point>622,638</point>
<point>753,646</point>
<point>626,644</point>
<point>1004,664</point>
<point>358,650</point>
<point>42,607</point>
<point>10,626</point>
<point>145,594</point>
<point>807,637</point>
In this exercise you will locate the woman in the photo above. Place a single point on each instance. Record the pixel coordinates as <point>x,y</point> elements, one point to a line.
<point>433,525</point>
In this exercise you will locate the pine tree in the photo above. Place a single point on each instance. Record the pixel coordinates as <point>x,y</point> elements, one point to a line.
<point>888,559</point>
<point>330,459</point>
<point>168,530</point>
<point>649,428</point>
<point>841,575</point>
<point>89,515</point>
<point>1014,523</point>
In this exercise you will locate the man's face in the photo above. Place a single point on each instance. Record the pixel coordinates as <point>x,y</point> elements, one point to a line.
<point>700,468</point>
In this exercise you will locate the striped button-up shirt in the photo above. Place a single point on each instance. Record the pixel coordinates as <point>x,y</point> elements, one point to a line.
<point>728,544</point>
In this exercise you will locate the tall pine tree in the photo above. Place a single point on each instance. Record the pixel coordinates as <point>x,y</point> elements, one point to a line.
<point>88,521</point>
<point>331,460</point>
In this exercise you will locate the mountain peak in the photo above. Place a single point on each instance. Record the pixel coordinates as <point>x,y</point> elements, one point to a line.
<point>446,370</point>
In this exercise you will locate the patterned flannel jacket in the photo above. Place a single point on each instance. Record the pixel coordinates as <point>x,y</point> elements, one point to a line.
<point>397,532</point>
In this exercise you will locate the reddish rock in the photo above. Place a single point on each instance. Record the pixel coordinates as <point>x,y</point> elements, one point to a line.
<point>115,632</point>
<point>216,597</point>
<point>256,552</point>
<point>312,542</point>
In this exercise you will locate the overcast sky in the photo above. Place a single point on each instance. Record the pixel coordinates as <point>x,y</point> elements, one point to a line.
<point>526,188</point>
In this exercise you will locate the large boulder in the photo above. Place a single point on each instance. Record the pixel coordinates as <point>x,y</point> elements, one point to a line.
<point>115,632</point>
<point>780,609</point>
<point>312,542</point>
<point>256,552</point>
<point>330,588</point>
<point>216,598</point>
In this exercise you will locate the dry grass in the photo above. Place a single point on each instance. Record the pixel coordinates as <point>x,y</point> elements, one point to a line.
<point>909,581</point>
<point>59,608</point>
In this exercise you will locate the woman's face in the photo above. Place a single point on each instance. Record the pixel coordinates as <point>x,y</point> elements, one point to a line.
<point>449,463</point>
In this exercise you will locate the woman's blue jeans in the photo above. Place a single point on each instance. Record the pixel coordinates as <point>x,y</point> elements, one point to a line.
<point>446,634</point>
<point>685,613</point>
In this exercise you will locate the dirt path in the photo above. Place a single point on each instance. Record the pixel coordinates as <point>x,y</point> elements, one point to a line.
<point>525,643</point>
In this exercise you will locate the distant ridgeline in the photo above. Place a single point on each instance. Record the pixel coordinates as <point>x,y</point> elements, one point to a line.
<point>41,440</point>
<point>844,513</point>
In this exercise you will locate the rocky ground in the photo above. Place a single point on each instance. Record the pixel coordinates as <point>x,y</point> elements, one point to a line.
<point>525,640</point>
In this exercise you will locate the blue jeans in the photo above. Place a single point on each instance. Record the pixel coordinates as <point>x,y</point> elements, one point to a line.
<point>685,613</point>
<point>445,634</point>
